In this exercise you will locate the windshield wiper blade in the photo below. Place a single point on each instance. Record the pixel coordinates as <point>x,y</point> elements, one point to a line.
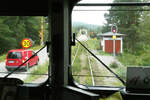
<point>123,82</point>
<point>24,62</point>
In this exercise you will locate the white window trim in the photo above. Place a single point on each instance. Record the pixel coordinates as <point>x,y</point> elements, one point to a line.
<point>120,38</point>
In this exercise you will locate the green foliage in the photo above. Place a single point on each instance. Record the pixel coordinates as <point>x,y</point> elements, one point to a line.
<point>129,59</point>
<point>3,57</point>
<point>90,28</point>
<point>93,44</point>
<point>145,57</point>
<point>81,65</point>
<point>115,96</point>
<point>127,22</point>
<point>41,69</point>
<point>104,53</point>
<point>36,47</point>
<point>13,29</point>
<point>114,65</point>
<point>88,81</point>
<point>121,72</point>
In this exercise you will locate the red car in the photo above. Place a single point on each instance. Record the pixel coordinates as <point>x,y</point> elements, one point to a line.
<point>18,56</point>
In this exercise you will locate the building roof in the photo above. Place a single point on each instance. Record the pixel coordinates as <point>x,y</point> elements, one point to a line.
<point>111,34</point>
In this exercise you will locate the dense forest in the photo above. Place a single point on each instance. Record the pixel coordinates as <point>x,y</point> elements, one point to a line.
<point>13,29</point>
<point>135,24</point>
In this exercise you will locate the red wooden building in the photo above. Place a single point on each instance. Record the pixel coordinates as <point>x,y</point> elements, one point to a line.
<point>106,42</point>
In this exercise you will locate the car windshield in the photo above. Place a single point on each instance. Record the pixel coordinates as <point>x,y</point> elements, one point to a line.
<point>20,38</point>
<point>14,55</point>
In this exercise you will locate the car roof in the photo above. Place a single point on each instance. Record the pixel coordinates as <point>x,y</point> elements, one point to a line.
<point>18,50</point>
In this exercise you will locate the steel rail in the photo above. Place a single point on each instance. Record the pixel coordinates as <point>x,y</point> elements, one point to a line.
<point>123,82</point>
<point>93,75</point>
<point>91,71</point>
<point>75,55</point>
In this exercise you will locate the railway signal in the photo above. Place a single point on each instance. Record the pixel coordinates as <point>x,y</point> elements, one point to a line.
<point>114,30</point>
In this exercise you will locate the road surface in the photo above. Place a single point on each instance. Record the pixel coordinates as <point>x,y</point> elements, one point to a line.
<point>43,57</point>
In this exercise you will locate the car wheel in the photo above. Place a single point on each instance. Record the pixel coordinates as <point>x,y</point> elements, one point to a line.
<point>8,69</point>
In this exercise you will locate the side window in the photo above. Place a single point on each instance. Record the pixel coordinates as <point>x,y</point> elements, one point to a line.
<point>19,34</point>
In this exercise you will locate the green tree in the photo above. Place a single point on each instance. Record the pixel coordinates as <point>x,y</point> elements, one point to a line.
<point>13,29</point>
<point>127,22</point>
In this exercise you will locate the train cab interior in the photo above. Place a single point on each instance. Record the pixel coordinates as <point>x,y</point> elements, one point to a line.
<point>60,84</point>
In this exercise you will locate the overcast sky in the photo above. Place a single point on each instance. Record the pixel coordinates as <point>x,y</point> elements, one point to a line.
<point>90,17</point>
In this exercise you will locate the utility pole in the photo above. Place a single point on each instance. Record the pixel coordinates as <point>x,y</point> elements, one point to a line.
<point>41,33</point>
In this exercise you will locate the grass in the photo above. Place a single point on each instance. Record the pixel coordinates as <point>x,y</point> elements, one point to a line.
<point>129,59</point>
<point>80,65</point>
<point>93,44</point>
<point>78,68</point>
<point>104,53</point>
<point>3,57</point>
<point>36,47</point>
<point>115,96</point>
<point>87,67</point>
<point>41,69</point>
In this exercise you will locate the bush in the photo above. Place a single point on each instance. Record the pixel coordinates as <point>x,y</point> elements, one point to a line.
<point>122,72</point>
<point>114,65</point>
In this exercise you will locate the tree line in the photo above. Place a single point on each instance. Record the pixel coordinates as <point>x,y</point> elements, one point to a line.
<point>92,29</point>
<point>13,29</point>
<point>132,21</point>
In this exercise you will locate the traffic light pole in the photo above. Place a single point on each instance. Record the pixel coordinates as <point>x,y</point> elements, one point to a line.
<point>114,45</point>
<point>114,29</point>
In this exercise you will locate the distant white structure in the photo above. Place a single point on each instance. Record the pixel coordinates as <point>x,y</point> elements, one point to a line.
<point>83,38</point>
<point>83,35</point>
<point>83,31</point>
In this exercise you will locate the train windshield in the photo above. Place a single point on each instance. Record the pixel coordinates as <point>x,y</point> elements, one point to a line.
<point>20,37</point>
<point>117,35</point>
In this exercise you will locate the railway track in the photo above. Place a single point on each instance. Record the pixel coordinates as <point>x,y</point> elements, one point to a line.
<point>99,75</point>
<point>89,64</point>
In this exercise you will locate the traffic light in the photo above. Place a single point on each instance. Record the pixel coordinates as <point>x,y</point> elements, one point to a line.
<point>114,29</point>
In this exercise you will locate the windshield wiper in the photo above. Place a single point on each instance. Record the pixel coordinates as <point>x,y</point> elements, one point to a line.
<point>25,62</point>
<point>123,82</point>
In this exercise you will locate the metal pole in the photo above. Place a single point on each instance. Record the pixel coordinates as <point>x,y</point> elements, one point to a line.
<point>27,62</point>
<point>114,38</point>
<point>114,47</point>
<point>42,26</point>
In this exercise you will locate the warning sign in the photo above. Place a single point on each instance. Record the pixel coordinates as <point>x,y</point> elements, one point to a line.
<point>26,43</point>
